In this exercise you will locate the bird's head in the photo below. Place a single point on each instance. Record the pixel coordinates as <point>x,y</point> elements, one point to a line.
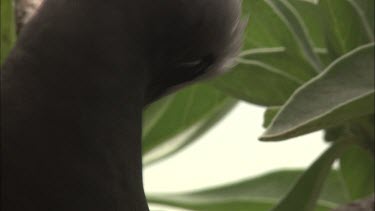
<point>190,40</point>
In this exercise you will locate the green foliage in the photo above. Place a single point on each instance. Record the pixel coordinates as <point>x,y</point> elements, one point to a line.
<point>177,120</point>
<point>357,169</point>
<point>344,91</point>
<point>260,194</point>
<point>311,64</point>
<point>7,28</point>
<point>253,78</point>
<point>305,193</point>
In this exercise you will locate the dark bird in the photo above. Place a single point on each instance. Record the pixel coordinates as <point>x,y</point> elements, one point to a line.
<point>74,87</point>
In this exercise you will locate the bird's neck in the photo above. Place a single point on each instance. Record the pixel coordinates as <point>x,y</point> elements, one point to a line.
<point>71,122</point>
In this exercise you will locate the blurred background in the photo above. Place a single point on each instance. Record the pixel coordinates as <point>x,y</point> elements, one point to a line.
<point>228,153</point>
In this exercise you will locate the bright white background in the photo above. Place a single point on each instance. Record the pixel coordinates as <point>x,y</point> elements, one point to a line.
<point>230,152</point>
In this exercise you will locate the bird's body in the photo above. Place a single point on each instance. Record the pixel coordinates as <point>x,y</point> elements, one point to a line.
<point>75,85</point>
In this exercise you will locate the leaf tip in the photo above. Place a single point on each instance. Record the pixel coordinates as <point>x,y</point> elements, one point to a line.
<point>267,136</point>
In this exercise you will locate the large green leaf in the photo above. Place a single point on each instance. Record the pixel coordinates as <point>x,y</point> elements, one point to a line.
<point>309,12</point>
<point>280,58</point>
<point>269,28</point>
<point>293,42</point>
<point>258,83</point>
<point>7,28</point>
<point>357,168</point>
<point>343,26</point>
<point>276,60</point>
<point>306,191</point>
<point>365,11</point>
<point>270,115</point>
<point>343,92</point>
<point>347,24</point>
<point>259,194</point>
<point>294,22</point>
<point>176,121</point>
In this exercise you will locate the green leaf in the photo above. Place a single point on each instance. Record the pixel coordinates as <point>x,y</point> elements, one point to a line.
<point>276,59</point>
<point>342,92</point>
<point>178,120</point>
<point>357,168</point>
<point>347,25</point>
<point>270,115</point>
<point>305,193</point>
<point>280,58</point>
<point>365,11</point>
<point>294,22</point>
<point>361,130</point>
<point>309,12</point>
<point>258,83</point>
<point>154,112</point>
<point>7,29</point>
<point>268,29</point>
<point>258,194</point>
<point>343,27</point>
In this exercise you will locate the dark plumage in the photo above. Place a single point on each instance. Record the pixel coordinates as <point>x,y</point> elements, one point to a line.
<point>75,85</point>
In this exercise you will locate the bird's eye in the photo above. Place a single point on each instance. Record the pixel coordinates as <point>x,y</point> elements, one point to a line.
<point>179,74</point>
<point>187,71</point>
<point>192,63</point>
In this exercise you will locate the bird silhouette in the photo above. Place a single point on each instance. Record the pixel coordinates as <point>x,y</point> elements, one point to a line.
<point>76,83</point>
